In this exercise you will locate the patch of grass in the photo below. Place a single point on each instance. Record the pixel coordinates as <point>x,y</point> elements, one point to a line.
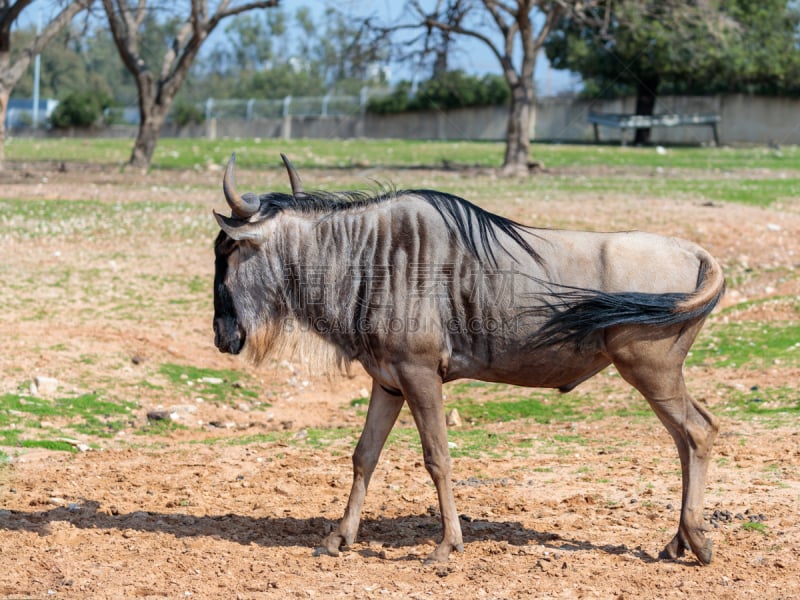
<point>87,414</point>
<point>223,386</point>
<point>558,155</point>
<point>699,186</point>
<point>246,440</point>
<point>479,402</point>
<point>477,441</point>
<point>48,445</point>
<point>756,526</point>
<point>747,344</point>
<point>176,153</point>
<point>324,438</point>
<point>408,437</point>
<point>159,427</point>
<point>774,406</point>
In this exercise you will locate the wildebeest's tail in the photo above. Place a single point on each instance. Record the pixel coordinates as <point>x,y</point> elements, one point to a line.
<point>576,313</point>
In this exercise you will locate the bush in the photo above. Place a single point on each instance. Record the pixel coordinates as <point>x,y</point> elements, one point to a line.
<point>79,109</point>
<point>396,102</point>
<point>186,113</point>
<point>454,89</point>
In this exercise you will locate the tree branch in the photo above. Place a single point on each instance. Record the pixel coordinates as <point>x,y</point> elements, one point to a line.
<point>222,13</point>
<point>430,22</point>
<point>11,13</point>
<point>56,24</point>
<point>123,31</point>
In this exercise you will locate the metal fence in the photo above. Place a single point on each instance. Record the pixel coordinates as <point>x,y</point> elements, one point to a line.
<point>252,109</point>
<point>290,106</point>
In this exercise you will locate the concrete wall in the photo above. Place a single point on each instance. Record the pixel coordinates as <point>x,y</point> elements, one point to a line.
<point>745,119</point>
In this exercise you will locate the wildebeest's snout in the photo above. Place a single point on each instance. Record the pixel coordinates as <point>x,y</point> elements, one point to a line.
<point>229,336</point>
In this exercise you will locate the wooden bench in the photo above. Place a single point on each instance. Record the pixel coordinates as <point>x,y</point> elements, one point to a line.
<point>625,122</point>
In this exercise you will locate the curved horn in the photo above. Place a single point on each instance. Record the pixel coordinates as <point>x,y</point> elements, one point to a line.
<point>294,178</point>
<point>242,207</point>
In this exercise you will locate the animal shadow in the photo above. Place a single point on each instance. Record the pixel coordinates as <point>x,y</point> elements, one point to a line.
<point>389,532</point>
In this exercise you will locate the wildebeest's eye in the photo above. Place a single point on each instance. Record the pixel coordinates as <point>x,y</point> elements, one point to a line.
<point>224,245</point>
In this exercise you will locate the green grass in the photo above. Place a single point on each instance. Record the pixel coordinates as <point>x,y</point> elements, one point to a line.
<point>481,403</point>
<point>756,192</point>
<point>708,174</point>
<point>175,153</point>
<point>748,344</point>
<point>773,406</point>
<point>55,445</point>
<point>34,218</point>
<point>756,526</point>
<point>23,419</point>
<point>214,385</point>
<point>479,442</point>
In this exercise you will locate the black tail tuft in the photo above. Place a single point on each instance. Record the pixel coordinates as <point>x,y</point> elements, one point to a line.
<point>577,313</point>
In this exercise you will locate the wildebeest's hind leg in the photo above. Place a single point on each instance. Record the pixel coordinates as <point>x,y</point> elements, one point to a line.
<point>381,415</point>
<point>655,368</point>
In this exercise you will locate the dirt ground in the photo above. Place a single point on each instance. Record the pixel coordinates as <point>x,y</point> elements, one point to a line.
<point>582,514</point>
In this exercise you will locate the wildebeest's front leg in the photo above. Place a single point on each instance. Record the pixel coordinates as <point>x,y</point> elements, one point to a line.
<point>381,415</point>
<point>423,391</point>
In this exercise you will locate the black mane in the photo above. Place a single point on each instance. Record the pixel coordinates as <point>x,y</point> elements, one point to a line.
<point>476,227</point>
<point>462,218</point>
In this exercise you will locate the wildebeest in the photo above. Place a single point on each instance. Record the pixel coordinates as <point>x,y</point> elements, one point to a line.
<point>422,287</point>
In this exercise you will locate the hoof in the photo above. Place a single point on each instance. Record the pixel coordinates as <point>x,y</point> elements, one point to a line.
<point>675,549</point>
<point>331,545</point>
<point>704,554</point>
<point>442,553</point>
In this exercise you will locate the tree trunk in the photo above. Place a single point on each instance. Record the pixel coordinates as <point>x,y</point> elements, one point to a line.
<point>4,94</point>
<point>518,141</point>
<point>645,105</point>
<point>146,140</point>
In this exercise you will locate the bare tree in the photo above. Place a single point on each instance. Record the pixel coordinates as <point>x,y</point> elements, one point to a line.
<point>12,71</point>
<point>504,27</point>
<point>156,90</point>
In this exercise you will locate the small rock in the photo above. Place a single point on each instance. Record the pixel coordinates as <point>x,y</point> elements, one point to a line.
<point>45,386</point>
<point>453,418</point>
<point>211,380</point>
<point>283,491</point>
<point>77,444</point>
<point>157,415</point>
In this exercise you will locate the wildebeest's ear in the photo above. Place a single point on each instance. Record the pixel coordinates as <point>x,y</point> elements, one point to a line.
<point>240,230</point>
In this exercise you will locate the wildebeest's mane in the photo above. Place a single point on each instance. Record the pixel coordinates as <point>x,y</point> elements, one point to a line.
<point>476,227</point>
